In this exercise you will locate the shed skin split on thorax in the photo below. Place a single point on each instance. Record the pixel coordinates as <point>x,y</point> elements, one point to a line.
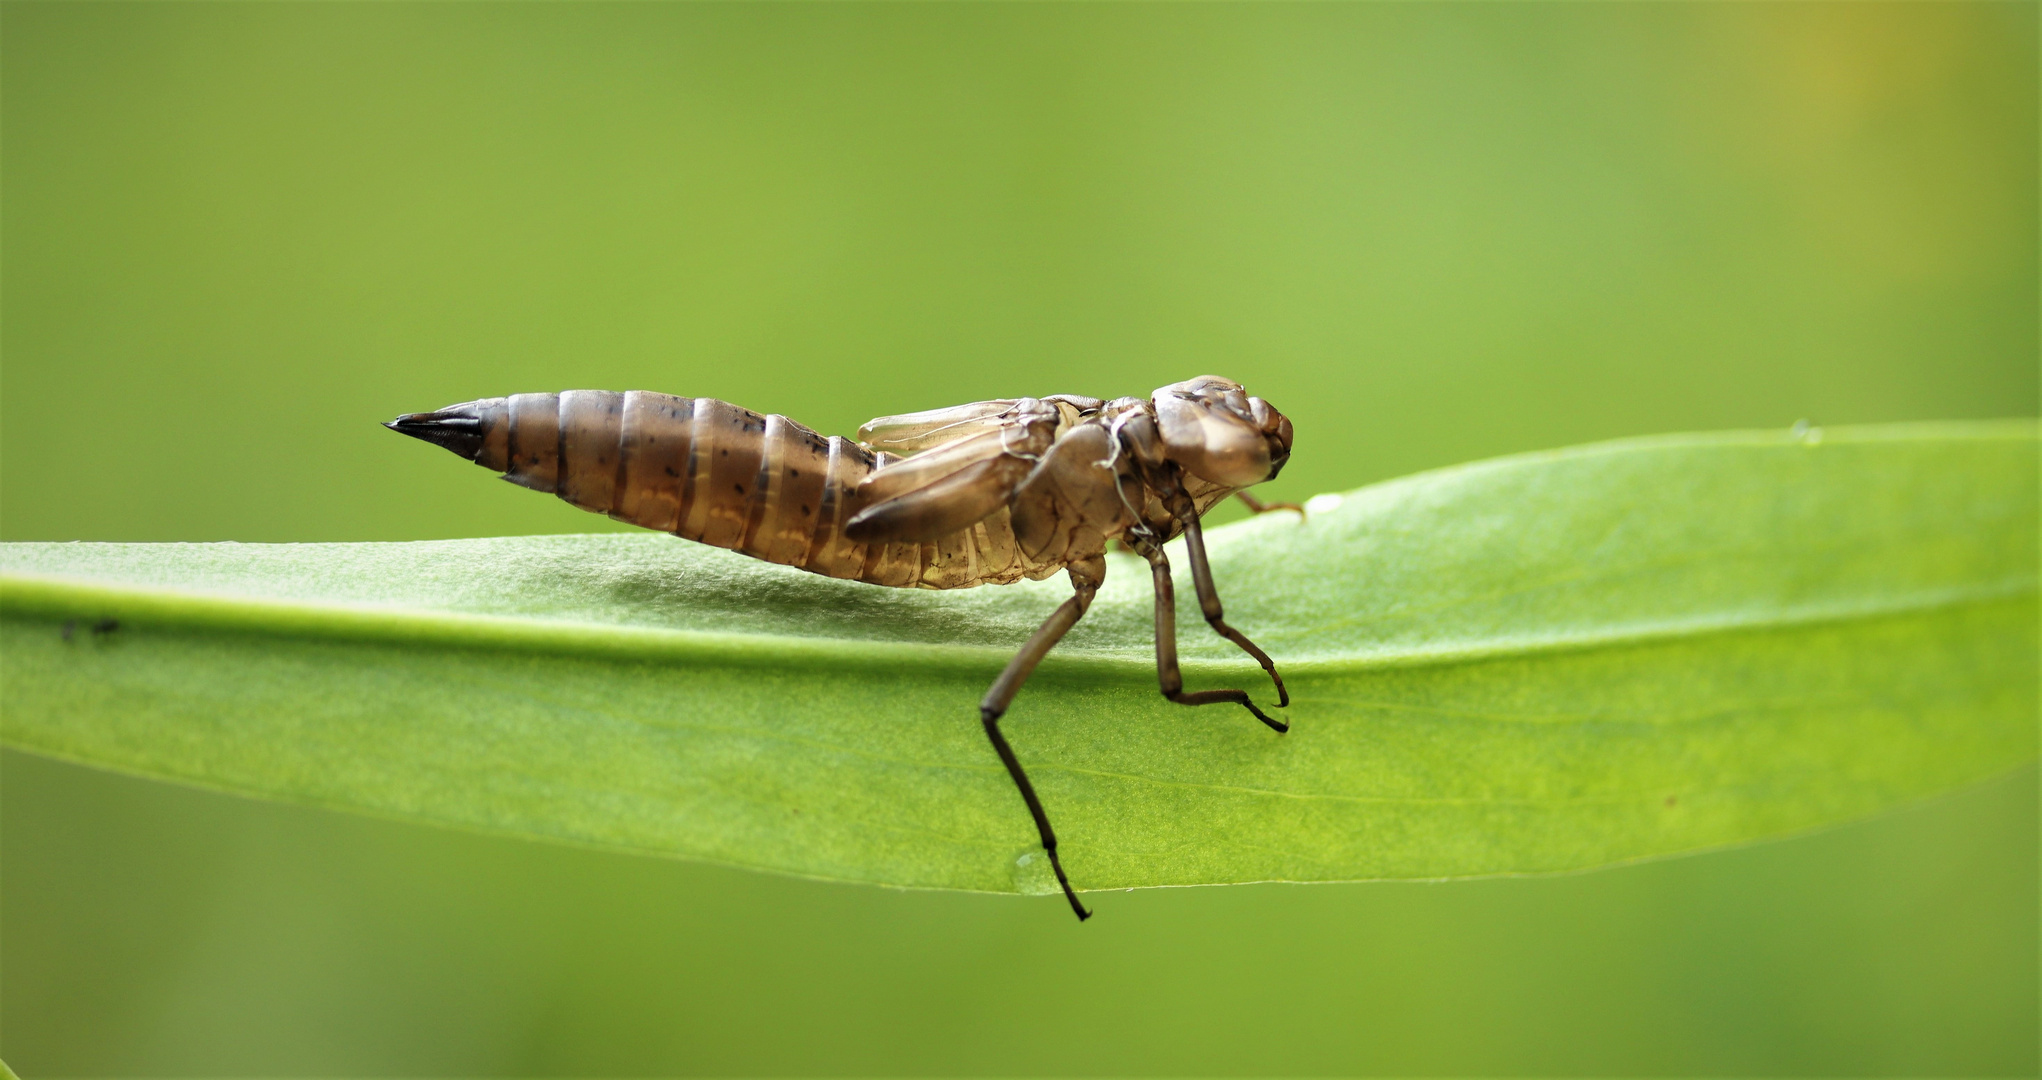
<point>981,494</point>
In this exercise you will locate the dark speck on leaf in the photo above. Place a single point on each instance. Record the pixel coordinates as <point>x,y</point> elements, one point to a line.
<point>1670,799</point>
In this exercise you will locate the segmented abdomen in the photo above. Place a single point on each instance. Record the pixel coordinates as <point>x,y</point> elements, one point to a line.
<point>709,471</point>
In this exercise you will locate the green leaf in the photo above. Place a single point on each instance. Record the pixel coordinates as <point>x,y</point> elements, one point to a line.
<point>1538,663</point>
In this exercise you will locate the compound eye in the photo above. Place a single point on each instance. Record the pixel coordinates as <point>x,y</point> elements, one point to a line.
<point>1273,424</point>
<point>1212,443</point>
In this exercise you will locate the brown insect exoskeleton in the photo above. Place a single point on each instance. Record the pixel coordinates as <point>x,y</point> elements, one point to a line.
<point>987,493</point>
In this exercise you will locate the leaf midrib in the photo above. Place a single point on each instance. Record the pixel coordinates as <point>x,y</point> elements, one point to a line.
<point>52,596</point>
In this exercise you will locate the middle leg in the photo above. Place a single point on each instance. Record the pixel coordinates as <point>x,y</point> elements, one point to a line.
<point>1167,672</point>
<point>1215,616</point>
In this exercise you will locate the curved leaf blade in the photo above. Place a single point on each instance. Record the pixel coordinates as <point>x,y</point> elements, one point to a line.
<point>1539,663</point>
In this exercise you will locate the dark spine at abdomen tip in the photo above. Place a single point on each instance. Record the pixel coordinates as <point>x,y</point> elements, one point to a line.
<point>461,434</point>
<point>468,429</point>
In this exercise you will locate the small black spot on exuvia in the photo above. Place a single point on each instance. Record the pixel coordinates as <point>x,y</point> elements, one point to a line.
<point>739,487</point>
<point>670,471</point>
<point>804,510</point>
<point>794,473</point>
<point>724,453</point>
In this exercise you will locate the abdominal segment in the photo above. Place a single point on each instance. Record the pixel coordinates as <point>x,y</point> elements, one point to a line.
<point>710,471</point>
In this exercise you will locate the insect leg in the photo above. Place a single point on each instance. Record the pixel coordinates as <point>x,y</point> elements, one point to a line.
<point>995,703</point>
<point>1209,603</point>
<point>1257,506</point>
<point>1167,672</point>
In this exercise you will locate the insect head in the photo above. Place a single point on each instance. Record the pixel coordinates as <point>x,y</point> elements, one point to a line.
<point>1215,431</point>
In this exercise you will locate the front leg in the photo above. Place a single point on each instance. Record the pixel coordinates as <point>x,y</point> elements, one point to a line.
<point>1257,506</point>
<point>1167,671</point>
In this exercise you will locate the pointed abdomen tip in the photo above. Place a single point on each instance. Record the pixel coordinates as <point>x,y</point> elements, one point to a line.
<point>454,428</point>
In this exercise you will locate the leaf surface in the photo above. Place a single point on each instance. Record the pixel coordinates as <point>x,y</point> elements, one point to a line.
<point>1538,663</point>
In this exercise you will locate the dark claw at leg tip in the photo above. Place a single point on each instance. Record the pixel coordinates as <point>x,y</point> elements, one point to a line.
<point>1279,726</point>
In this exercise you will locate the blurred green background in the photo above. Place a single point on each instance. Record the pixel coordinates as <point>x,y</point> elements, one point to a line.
<point>235,236</point>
